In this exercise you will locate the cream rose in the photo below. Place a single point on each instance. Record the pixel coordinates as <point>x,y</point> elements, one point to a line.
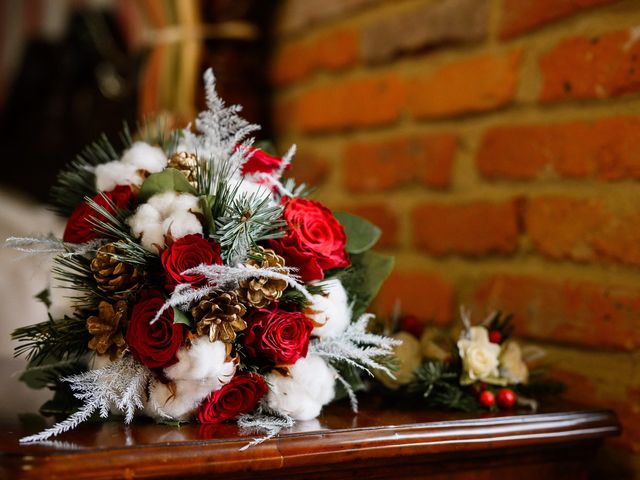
<point>512,367</point>
<point>480,357</point>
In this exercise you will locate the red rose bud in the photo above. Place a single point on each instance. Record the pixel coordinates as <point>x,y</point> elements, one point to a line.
<point>506,398</point>
<point>277,336</point>
<point>412,324</point>
<point>260,162</point>
<point>154,345</point>
<point>240,395</point>
<point>487,398</point>
<point>79,228</point>
<point>495,336</point>
<point>315,242</point>
<point>185,253</point>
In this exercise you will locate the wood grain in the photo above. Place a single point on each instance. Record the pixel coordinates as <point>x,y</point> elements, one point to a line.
<point>382,441</point>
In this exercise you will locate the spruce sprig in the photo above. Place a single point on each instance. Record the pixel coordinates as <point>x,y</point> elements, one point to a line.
<point>63,338</point>
<point>438,384</point>
<point>77,180</point>
<point>247,220</point>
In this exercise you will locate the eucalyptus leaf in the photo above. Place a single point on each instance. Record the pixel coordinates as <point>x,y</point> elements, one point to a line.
<point>361,234</point>
<point>169,180</point>
<point>180,317</point>
<point>363,280</point>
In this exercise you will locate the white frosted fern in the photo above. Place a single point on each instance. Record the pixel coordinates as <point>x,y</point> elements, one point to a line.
<point>121,384</point>
<point>225,277</point>
<point>357,347</point>
<point>49,245</point>
<point>263,421</point>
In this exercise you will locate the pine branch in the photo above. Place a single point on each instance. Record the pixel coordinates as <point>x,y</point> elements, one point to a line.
<point>66,338</point>
<point>246,221</point>
<point>438,383</point>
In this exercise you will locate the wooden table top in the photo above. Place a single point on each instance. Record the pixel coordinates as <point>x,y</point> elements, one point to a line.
<point>379,432</point>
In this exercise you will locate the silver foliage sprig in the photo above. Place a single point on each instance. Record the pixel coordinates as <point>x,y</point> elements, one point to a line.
<point>220,130</point>
<point>265,421</point>
<point>49,245</point>
<point>225,277</point>
<point>121,384</point>
<point>356,346</point>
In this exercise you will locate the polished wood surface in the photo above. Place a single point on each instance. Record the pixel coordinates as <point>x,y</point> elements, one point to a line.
<point>382,441</point>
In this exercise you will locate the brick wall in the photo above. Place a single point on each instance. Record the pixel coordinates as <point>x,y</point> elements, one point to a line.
<point>497,143</point>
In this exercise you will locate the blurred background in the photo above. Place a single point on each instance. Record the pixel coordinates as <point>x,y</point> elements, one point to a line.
<point>496,142</point>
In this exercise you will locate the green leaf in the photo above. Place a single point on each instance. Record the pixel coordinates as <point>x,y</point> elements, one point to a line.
<point>361,234</point>
<point>45,297</point>
<point>180,317</point>
<point>363,281</point>
<point>169,180</point>
<point>206,203</point>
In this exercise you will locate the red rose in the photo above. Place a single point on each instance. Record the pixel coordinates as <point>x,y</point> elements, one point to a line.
<point>79,228</point>
<point>260,162</point>
<point>240,395</point>
<point>277,336</point>
<point>315,241</point>
<point>154,345</point>
<point>185,253</point>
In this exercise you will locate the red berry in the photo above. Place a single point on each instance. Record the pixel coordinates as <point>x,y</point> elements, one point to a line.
<point>487,398</point>
<point>412,324</point>
<point>495,336</point>
<point>506,398</point>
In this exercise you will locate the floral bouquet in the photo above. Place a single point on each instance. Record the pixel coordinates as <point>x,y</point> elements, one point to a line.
<point>202,286</point>
<point>484,369</point>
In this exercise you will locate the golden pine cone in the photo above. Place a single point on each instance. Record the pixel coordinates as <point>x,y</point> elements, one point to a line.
<point>115,278</point>
<point>219,315</point>
<point>261,291</point>
<point>107,328</point>
<point>187,164</point>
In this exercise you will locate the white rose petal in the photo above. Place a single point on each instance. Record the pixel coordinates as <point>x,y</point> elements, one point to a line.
<point>479,357</point>
<point>310,386</point>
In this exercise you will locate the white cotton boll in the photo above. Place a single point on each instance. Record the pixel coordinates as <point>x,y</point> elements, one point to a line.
<point>303,394</point>
<point>201,369</point>
<point>164,203</point>
<point>146,224</point>
<point>203,361</point>
<point>110,175</point>
<point>181,223</point>
<point>250,188</point>
<point>143,156</point>
<point>331,310</point>
<point>179,404</point>
<point>185,202</point>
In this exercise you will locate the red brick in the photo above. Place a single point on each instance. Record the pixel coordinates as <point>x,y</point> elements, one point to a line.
<point>607,149</point>
<point>583,230</point>
<point>370,101</point>
<point>382,165</point>
<point>474,84</point>
<point>582,313</point>
<point>596,67</point>
<point>425,295</point>
<point>295,15</point>
<point>293,62</point>
<point>381,215</point>
<point>474,229</point>
<point>335,50</point>
<point>309,168</point>
<point>424,25</point>
<point>520,16</point>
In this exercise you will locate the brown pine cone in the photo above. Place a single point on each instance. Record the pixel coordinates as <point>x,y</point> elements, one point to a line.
<point>115,278</point>
<point>219,315</point>
<point>107,328</point>
<point>261,291</point>
<point>187,164</point>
